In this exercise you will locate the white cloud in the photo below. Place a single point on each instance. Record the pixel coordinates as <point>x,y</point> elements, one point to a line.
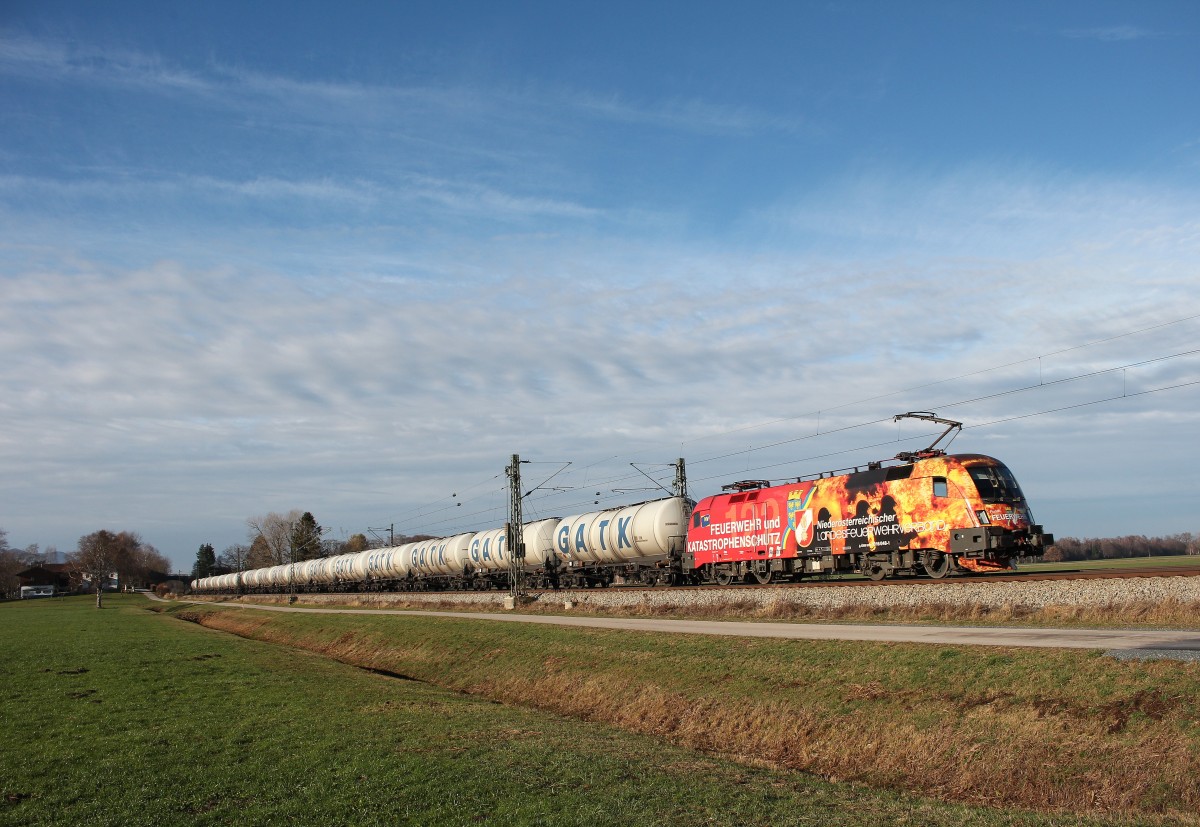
<point>690,115</point>
<point>45,60</point>
<point>1111,34</point>
<point>239,88</point>
<point>395,336</point>
<point>201,397</point>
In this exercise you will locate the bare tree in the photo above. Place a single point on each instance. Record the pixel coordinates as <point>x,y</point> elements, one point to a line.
<point>270,538</point>
<point>10,564</point>
<point>96,560</point>
<point>276,539</point>
<point>103,556</point>
<point>233,558</point>
<point>137,559</point>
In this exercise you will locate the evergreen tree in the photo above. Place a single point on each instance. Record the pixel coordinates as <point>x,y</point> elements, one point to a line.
<point>206,560</point>
<point>259,556</point>
<point>305,539</point>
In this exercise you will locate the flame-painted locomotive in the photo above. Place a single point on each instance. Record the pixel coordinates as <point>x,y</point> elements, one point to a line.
<point>924,512</point>
<point>933,515</point>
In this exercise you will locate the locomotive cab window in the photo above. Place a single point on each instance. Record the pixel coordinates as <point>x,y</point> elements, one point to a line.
<point>996,484</point>
<point>939,487</point>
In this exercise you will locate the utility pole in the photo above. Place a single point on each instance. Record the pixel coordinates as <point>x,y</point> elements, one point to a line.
<point>515,532</point>
<point>680,484</point>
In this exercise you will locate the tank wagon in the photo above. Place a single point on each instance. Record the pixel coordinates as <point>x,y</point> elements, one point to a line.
<point>922,513</point>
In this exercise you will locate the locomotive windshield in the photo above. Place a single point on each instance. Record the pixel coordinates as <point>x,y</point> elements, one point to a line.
<point>996,484</point>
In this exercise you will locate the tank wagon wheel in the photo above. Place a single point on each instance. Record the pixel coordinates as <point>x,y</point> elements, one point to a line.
<point>937,565</point>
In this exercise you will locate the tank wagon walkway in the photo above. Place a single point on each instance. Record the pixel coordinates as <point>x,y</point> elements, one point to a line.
<point>1176,644</point>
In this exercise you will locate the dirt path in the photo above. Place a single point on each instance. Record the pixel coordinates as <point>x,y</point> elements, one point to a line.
<point>1107,639</point>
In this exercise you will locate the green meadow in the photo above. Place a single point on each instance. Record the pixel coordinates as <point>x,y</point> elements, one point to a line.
<point>129,716</point>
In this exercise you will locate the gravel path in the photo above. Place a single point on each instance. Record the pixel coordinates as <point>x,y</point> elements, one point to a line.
<point>1161,643</point>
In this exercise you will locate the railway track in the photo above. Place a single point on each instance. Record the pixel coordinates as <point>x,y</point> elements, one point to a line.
<point>854,582</point>
<point>1013,577</point>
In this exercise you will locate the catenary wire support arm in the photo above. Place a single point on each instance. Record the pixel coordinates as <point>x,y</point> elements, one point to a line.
<point>657,484</point>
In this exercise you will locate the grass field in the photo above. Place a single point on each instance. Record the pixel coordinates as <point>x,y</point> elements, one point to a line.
<point>1173,561</point>
<point>1047,729</point>
<point>125,716</point>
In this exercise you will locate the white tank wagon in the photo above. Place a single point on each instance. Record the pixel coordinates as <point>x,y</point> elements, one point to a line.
<point>220,583</point>
<point>341,569</point>
<point>634,543</point>
<point>312,572</point>
<point>358,566</point>
<point>538,537</point>
<point>386,563</point>
<point>488,550</point>
<point>277,576</point>
<point>294,573</point>
<point>646,532</point>
<point>418,555</point>
<point>453,555</point>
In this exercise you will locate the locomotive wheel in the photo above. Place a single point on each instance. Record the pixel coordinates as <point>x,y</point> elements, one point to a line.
<point>937,565</point>
<point>762,578</point>
<point>875,571</point>
<point>723,577</point>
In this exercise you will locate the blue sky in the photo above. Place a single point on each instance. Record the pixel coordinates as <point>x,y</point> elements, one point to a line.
<point>256,258</point>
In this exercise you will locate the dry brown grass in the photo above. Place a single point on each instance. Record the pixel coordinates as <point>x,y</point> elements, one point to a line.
<point>1168,613</point>
<point>1133,748</point>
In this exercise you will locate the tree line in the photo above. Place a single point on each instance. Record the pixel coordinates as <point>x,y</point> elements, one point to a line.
<point>1135,545</point>
<point>102,559</point>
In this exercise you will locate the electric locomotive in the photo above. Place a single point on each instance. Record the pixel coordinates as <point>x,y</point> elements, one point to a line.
<point>922,513</point>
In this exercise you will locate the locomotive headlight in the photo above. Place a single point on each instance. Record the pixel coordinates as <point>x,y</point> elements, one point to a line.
<point>984,519</point>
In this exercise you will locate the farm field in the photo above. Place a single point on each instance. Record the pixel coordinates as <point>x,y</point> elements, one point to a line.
<point>1181,561</point>
<point>127,716</point>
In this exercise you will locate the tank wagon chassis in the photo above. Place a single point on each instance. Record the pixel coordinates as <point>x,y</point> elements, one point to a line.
<point>922,513</point>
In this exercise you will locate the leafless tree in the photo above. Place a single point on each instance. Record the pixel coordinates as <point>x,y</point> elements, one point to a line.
<point>103,556</point>
<point>233,558</point>
<point>95,561</point>
<point>270,538</point>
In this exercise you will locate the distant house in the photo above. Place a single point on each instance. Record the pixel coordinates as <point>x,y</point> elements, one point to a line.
<point>111,583</point>
<point>58,575</point>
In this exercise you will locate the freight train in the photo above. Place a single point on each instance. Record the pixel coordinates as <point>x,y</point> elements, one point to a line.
<point>923,513</point>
